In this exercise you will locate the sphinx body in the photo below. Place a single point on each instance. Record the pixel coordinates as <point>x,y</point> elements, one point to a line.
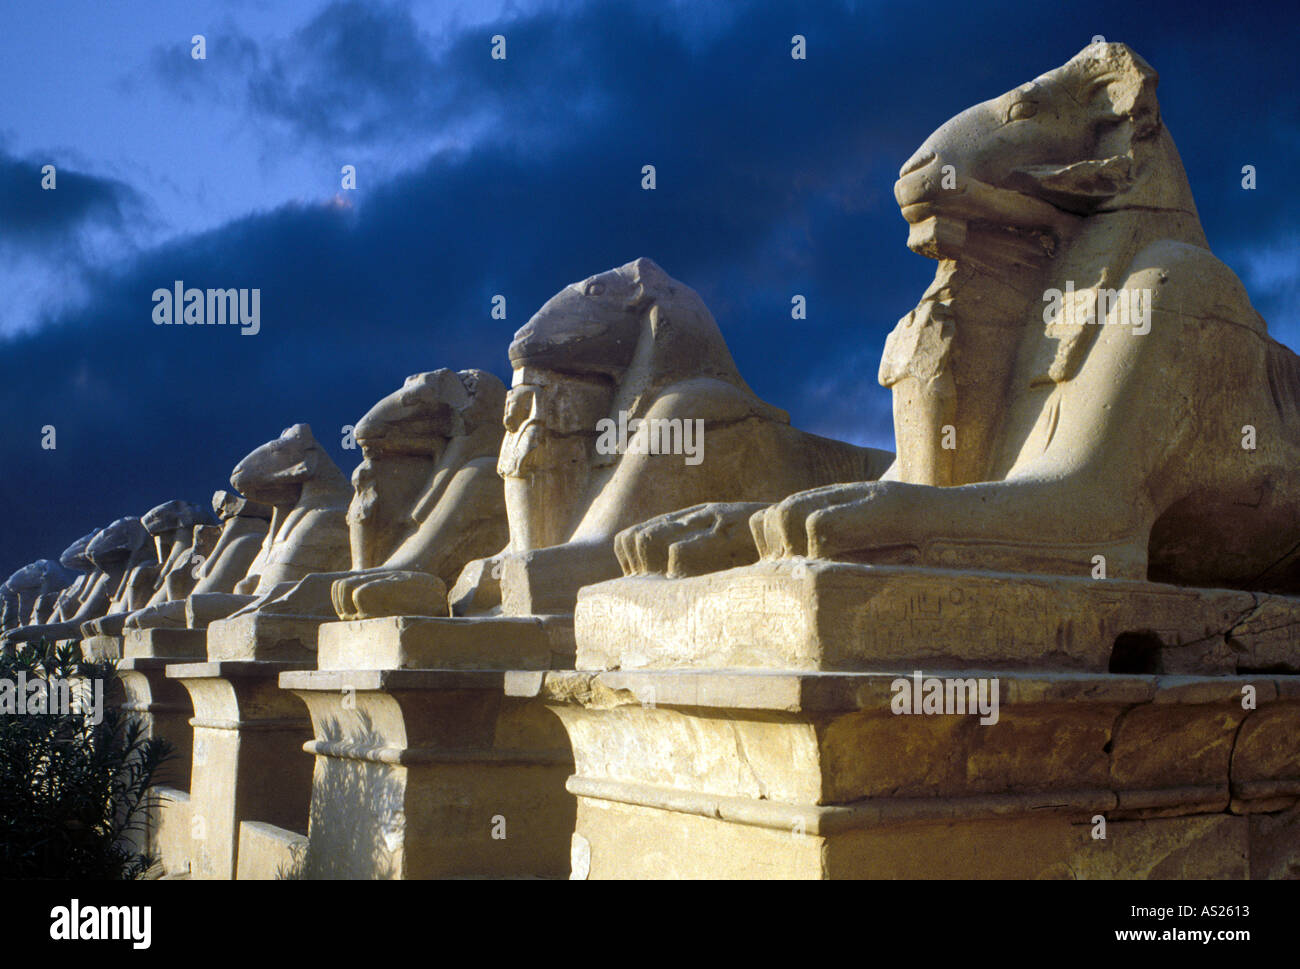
<point>31,591</point>
<point>184,533</point>
<point>426,501</point>
<point>629,348</point>
<point>15,605</point>
<point>8,607</point>
<point>114,552</point>
<point>1159,431</point>
<point>170,526</point>
<point>75,560</point>
<point>55,579</point>
<point>209,566</point>
<point>179,578</point>
<point>308,531</point>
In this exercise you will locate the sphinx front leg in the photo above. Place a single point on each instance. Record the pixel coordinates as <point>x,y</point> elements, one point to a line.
<point>310,596</point>
<point>394,594</point>
<point>1031,524</point>
<point>703,538</point>
<point>781,530</point>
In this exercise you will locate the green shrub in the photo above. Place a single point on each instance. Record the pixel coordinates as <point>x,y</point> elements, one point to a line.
<point>72,792</point>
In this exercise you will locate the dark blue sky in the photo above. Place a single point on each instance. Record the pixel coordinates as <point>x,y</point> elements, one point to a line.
<point>478,177</point>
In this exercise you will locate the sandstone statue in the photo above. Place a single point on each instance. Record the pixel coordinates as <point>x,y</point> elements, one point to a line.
<point>174,526</point>
<point>1083,378</point>
<point>54,581</point>
<point>179,579</point>
<point>10,613</point>
<point>32,587</point>
<point>427,500</point>
<point>134,589</point>
<point>308,531</point>
<point>8,607</point>
<point>115,551</point>
<point>171,527</point>
<point>244,526</point>
<point>75,560</point>
<point>626,404</point>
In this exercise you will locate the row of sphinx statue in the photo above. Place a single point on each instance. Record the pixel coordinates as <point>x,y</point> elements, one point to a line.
<point>470,499</point>
<point>1025,444</point>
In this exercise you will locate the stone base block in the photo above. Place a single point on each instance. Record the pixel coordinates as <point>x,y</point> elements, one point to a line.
<point>262,636</point>
<point>268,853</point>
<point>247,760</point>
<point>829,775</point>
<point>433,774</point>
<point>817,615</point>
<point>169,835</point>
<point>163,706</point>
<point>101,649</point>
<point>686,846</point>
<point>418,642</point>
<point>165,643</point>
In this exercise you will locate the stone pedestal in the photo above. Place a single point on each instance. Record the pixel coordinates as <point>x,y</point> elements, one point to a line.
<point>264,636</point>
<point>869,755</point>
<point>161,707</point>
<point>164,708</point>
<point>166,643</point>
<point>112,695</point>
<point>268,853</point>
<point>162,704</point>
<point>247,760</point>
<point>817,615</point>
<point>811,775</point>
<point>423,767</point>
<point>99,649</point>
<point>170,836</point>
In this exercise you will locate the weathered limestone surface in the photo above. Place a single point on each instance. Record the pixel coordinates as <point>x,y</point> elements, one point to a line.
<point>423,768</point>
<point>168,830</point>
<point>163,708</point>
<point>421,642</point>
<point>268,853</point>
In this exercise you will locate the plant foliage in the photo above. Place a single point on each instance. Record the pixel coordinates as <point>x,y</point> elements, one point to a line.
<point>72,792</point>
